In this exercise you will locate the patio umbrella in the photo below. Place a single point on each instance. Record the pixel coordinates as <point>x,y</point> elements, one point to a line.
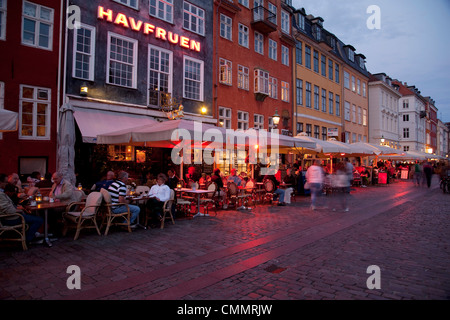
<point>325,147</point>
<point>66,144</point>
<point>8,120</point>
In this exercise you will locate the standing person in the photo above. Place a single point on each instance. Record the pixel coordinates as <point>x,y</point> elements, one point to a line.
<point>173,180</point>
<point>315,176</point>
<point>428,173</point>
<point>118,192</point>
<point>417,173</point>
<point>341,183</point>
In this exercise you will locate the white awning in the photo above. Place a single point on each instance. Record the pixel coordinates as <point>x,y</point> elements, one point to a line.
<point>8,120</point>
<point>94,122</point>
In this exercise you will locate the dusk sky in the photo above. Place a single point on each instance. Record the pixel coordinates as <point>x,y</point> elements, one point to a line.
<point>412,44</point>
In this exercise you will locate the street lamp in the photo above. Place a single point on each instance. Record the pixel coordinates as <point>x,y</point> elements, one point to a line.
<point>382,140</point>
<point>276,118</point>
<point>84,90</point>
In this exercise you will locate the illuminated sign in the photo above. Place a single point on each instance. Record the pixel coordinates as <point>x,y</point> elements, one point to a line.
<point>147,28</point>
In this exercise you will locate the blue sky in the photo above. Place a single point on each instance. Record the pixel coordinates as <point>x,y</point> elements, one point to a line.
<point>412,45</point>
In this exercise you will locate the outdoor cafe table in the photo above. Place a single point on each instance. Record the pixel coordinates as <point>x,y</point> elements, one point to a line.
<point>198,192</point>
<point>44,207</point>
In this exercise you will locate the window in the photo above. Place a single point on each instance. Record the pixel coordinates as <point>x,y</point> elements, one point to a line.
<point>406,104</point>
<point>308,129</point>
<point>317,132</point>
<point>353,113</point>
<point>261,81</point>
<point>271,126</point>
<point>316,61</point>
<point>364,89</point>
<point>84,52</point>
<point>299,92</point>
<point>194,18</point>
<point>160,73</point>
<point>316,97</point>
<point>336,73</point>
<point>193,79</point>
<point>330,102</point>
<point>226,25</point>
<point>338,105</point>
<point>130,3</point>
<point>34,113</point>
<point>272,49</point>
<point>242,123</point>
<point>406,133</point>
<point>358,86</point>
<point>330,69</point>
<point>324,133</point>
<point>299,127</point>
<point>301,21</point>
<point>298,53</point>
<point>364,117</point>
<point>243,77</point>
<point>258,121</point>
<point>2,19</point>
<point>308,57</point>
<point>359,115</point>
<point>285,55</point>
<point>347,111</point>
<point>244,2</point>
<point>405,117</point>
<point>353,84</point>
<point>284,91</point>
<point>308,94</point>
<point>353,137</point>
<point>273,87</point>
<point>243,35</point>
<point>259,43</point>
<point>346,80</point>
<point>162,9</point>
<point>324,100</point>
<point>323,65</point>
<point>406,148</point>
<point>225,72</point>
<point>121,153</point>
<point>273,11</point>
<point>37,26</point>
<point>351,55</point>
<point>122,60</point>
<point>285,22</point>
<point>225,117</point>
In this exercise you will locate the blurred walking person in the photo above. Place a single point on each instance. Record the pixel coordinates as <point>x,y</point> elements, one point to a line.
<point>341,182</point>
<point>315,177</point>
<point>428,173</point>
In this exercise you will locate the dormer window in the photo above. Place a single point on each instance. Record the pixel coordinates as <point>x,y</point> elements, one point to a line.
<point>333,43</point>
<point>361,62</point>
<point>351,55</point>
<point>301,21</point>
<point>317,32</point>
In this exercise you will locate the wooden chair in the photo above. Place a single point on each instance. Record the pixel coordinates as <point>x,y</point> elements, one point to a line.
<point>16,229</point>
<point>79,213</point>
<point>234,196</point>
<point>210,198</point>
<point>167,209</point>
<point>110,216</point>
<point>250,192</point>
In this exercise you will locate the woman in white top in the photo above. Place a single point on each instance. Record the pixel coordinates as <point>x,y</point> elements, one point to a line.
<point>158,194</point>
<point>315,176</point>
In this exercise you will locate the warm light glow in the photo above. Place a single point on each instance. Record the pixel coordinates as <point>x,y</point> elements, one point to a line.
<point>342,154</point>
<point>204,110</point>
<point>430,150</point>
<point>84,89</point>
<point>276,118</point>
<point>147,28</point>
<point>256,146</point>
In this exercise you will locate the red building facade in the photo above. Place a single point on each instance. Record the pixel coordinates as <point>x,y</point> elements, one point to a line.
<point>253,64</point>
<point>29,78</point>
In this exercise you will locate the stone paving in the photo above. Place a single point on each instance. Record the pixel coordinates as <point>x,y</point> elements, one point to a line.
<point>276,253</point>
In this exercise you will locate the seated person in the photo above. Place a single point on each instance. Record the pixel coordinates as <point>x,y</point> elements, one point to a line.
<point>203,179</point>
<point>159,194</point>
<point>118,192</point>
<point>110,175</point>
<point>279,192</point>
<point>192,175</point>
<point>173,180</point>
<point>15,181</point>
<point>217,179</point>
<point>62,189</point>
<point>8,207</point>
<point>233,177</point>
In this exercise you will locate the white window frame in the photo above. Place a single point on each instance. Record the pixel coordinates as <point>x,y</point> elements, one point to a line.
<point>285,55</point>
<point>35,101</point>
<point>245,3</point>
<point>261,81</point>
<point>365,117</point>
<point>405,133</point>
<point>3,14</point>
<point>243,78</point>
<point>364,90</point>
<point>273,9</point>
<point>226,27</point>
<point>200,26</point>
<point>225,71</point>
<point>109,60</point>
<point>242,120</point>
<point>128,3</point>
<point>273,87</point>
<point>167,12</point>
<point>201,81</point>
<point>38,23</point>
<point>259,43</point>
<point>258,121</point>
<point>330,102</point>
<point>225,117</point>
<point>169,72</point>
<point>285,22</point>
<point>273,52</point>
<point>353,113</point>
<point>346,80</point>
<point>285,91</point>
<point>324,100</point>
<point>316,97</point>
<point>353,84</point>
<point>243,36</point>
<point>90,56</point>
<point>359,115</point>
<point>358,86</point>
<point>347,111</point>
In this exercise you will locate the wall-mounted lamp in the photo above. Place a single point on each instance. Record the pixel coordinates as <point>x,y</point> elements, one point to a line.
<point>382,140</point>
<point>276,118</point>
<point>84,89</point>
<point>203,110</point>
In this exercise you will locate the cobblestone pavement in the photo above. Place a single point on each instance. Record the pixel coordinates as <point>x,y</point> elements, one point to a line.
<point>269,252</point>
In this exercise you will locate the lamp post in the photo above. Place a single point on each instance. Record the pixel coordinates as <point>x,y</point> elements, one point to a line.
<point>276,119</point>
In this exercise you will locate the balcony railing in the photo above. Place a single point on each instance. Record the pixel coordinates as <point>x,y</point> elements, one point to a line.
<point>264,21</point>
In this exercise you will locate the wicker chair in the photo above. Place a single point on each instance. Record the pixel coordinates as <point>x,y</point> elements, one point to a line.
<point>269,188</point>
<point>167,209</point>
<point>110,216</point>
<point>210,198</point>
<point>17,229</point>
<point>86,212</point>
